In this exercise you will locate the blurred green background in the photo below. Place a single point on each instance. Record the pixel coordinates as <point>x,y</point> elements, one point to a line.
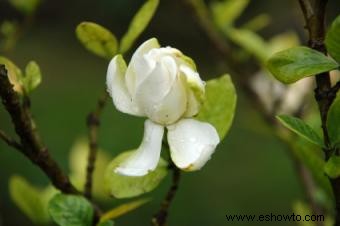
<point>250,173</point>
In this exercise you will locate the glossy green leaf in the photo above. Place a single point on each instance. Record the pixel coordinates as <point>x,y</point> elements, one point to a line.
<point>333,121</point>
<point>14,74</point>
<point>71,210</point>
<point>106,223</point>
<point>26,6</point>
<point>32,77</point>
<point>97,39</point>
<point>120,186</point>
<point>332,167</point>
<point>301,128</point>
<point>226,12</point>
<point>123,209</point>
<point>30,200</point>
<point>219,105</point>
<point>291,65</point>
<point>138,24</point>
<point>333,39</point>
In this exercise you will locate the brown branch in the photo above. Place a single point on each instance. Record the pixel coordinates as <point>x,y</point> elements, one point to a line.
<point>10,141</point>
<point>93,121</point>
<point>160,217</point>
<point>32,147</point>
<point>324,92</point>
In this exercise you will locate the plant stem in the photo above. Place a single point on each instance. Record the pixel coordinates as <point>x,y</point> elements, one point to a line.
<point>32,147</point>
<point>324,93</point>
<point>10,141</point>
<point>93,122</point>
<point>160,217</point>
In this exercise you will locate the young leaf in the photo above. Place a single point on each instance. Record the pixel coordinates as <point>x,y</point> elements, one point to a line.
<point>123,209</point>
<point>29,199</point>
<point>32,77</point>
<point>14,74</point>
<point>121,186</point>
<point>219,105</point>
<point>97,39</point>
<point>333,39</point>
<point>139,22</point>
<point>25,6</point>
<point>291,65</point>
<point>301,128</point>
<point>71,210</point>
<point>332,167</point>
<point>250,41</point>
<point>227,11</point>
<point>333,121</point>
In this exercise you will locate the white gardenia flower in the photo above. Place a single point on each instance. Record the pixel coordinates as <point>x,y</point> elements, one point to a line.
<point>163,85</point>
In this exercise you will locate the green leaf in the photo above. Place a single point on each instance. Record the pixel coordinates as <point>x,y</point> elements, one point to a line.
<point>303,209</point>
<point>78,163</point>
<point>257,23</point>
<point>123,209</point>
<point>14,74</point>
<point>291,65</point>
<point>250,41</point>
<point>333,121</point>
<point>97,39</point>
<point>106,223</point>
<point>333,39</point>
<point>226,12</point>
<point>29,199</point>
<point>71,210</point>
<point>138,24</point>
<point>301,128</point>
<point>26,6</point>
<point>219,105</point>
<point>32,77</point>
<point>332,167</point>
<point>121,186</point>
<point>312,157</point>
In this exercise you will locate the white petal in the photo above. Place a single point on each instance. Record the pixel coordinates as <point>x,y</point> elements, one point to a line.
<point>195,90</point>
<point>192,143</point>
<point>146,157</point>
<point>116,87</point>
<point>139,66</point>
<point>162,95</point>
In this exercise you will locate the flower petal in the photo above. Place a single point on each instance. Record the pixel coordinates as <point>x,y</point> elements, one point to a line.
<point>117,88</point>
<point>146,157</point>
<point>195,91</point>
<point>139,64</point>
<point>192,143</point>
<point>162,95</point>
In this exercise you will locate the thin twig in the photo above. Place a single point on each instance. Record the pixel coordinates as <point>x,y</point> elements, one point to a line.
<point>324,92</point>
<point>10,141</point>
<point>160,217</point>
<point>93,122</point>
<point>32,147</point>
